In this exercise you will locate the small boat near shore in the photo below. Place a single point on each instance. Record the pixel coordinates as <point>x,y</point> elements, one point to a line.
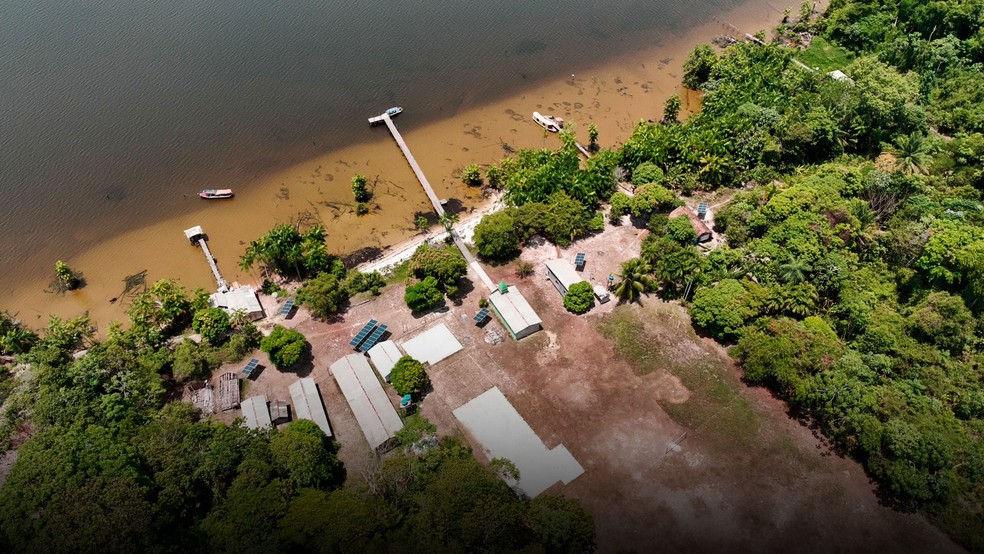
<point>214,194</point>
<point>548,122</point>
<point>395,110</point>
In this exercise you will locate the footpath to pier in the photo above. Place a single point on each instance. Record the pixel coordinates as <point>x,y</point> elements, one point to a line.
<point>385,118</point>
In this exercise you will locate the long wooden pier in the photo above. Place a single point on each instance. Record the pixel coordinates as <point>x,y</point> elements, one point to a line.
<point>385,118</point>
<point>197,237</point>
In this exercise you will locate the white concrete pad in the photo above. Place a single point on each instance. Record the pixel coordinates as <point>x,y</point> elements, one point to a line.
<point>433,345</point>
<point>384,356</point>
<point>496,424</point>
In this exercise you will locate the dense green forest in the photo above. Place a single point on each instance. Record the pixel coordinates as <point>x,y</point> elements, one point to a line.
<point>115,462</point>
<point>851,280</point>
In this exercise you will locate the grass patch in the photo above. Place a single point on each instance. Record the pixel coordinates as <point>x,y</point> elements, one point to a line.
<point>826,55</point>
<point>647,338</point>
<point>398,274</point>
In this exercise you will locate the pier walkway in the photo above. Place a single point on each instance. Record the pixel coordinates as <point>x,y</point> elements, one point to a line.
<point>197,237</point>
<point>433,197</point>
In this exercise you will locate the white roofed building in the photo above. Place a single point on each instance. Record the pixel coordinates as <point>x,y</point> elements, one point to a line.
<point>372,408</point>
<point>239,298</point>
<point>307,403</point>
<point>561,273</point>
<point>514,311</point>
<point>256,413</point>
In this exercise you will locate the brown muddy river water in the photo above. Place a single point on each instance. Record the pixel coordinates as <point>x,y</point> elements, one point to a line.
<point>116,113</point>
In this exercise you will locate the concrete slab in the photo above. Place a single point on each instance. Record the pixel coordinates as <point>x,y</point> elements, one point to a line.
<point>503,433</point>
<point>384,356</point>
<point>433,345</point>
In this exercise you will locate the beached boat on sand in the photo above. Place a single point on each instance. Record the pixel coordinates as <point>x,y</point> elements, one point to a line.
<point>548,122</point>
<point>212,194</point>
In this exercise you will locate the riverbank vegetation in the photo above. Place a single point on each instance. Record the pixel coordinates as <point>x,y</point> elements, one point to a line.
<point>853,273</point>
<point>852,276</point>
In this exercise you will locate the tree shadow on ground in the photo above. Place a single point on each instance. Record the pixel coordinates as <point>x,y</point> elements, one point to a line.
<point>465,287</point>
<point>442,308</point>
<point>303,367</point>
<point>362,256</point>
<point>454,206</point>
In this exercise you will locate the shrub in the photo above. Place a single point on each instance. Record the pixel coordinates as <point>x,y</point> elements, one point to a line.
<point>408,376</point>
<point>323,296</point>
<point>472,176</point>
<point>67,277</point>
<point>620,206</point>
<point>493,176</point>
<point>483,302</point>
<point>579,298</point>
<point>285,347</point>
<point>647,172</point>
<point>697,68</point>
<point>359,189</point>
<point>652,198</point>
<point>212,324</point>
<point>597,223</point>
<point>496,237</point>
<point>423,295</point>
<point>445,264</point>
<point>361,208</point>
<point>722,309</point>
<point>681,231</point>
<point>361,282</point>
<point>524,269</point>
<point>193,361</point>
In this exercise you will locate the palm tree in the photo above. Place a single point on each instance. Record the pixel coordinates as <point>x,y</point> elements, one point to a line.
<point>800,300</point>
<point>911,153</point>
<point>632,280</point>
<point>793,272</point>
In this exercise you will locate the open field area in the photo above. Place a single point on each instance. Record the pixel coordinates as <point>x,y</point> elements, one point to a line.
<point>677,451</point>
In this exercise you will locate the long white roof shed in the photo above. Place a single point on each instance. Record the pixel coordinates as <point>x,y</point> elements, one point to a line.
<point>256,413</point>
<point>372,408</point>
<point>515,312</point>
<point>564,272</point>
<point>308,405</point>
<point>384,356</point>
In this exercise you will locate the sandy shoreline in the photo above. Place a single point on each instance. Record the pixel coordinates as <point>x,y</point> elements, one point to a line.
<point>613,96</point>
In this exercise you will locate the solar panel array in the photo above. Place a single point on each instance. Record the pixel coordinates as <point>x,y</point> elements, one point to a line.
<point>373,338</point>
<point>702,210</point>
<point>579,259</point>
<point>286,308</point>
<point>361,336</point>
<point>482,315</point>
<point>250,368</point>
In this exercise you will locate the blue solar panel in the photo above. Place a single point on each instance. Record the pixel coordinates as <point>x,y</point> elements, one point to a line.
<point>702,210</point>
<point>250,367</point>
<point>373,338</point>
<point>287,307</point>
<point>579,259</point>
<point>482,315</point>
<point>361,336</point>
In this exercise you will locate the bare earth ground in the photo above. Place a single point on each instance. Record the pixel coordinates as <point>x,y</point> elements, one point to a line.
<point>678,453</point>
